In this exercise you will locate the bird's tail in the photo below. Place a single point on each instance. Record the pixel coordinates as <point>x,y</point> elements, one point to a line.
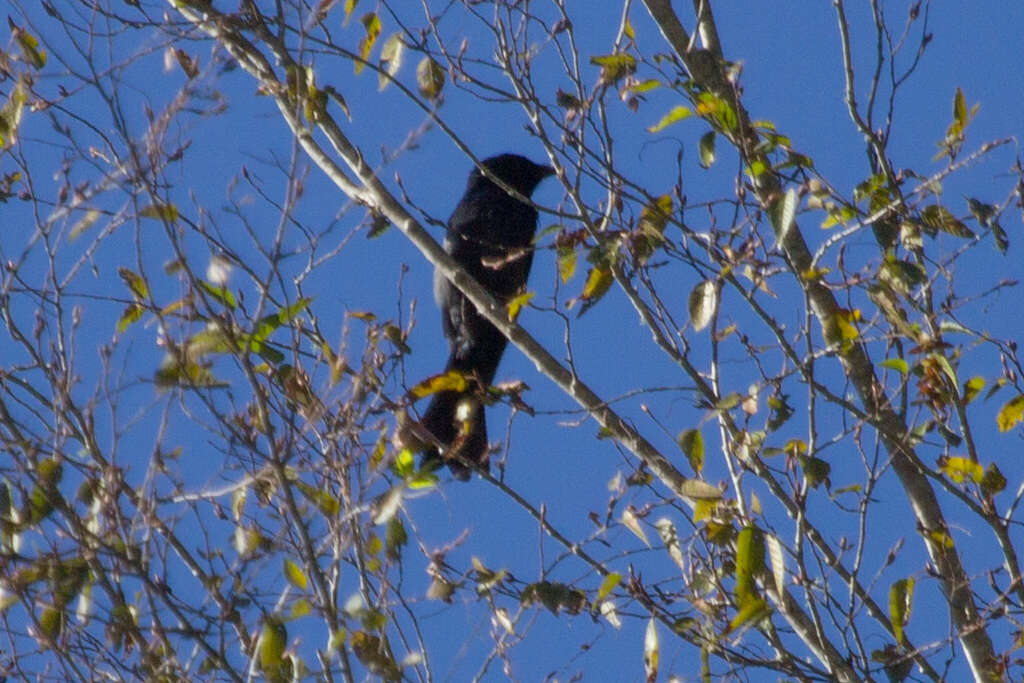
<point>456,419</point>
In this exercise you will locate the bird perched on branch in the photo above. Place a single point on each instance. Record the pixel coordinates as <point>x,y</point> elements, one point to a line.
<point>489,235</point>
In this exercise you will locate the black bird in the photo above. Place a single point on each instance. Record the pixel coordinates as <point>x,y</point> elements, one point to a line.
<point>489,234</point>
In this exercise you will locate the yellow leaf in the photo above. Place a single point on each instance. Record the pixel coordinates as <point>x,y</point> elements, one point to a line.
<point>371,22</point>
<point>29,46</point>
<point>614,67</point>
<point>972,387</point>
<point>901,594</point>
<point>84,223</point>
<point>566,263</point>
<point>10,116</point>
<point>677,113</point>
<point>1010,414</point>
<point>453,380</point>
<point>516,305</point>
<point>166,212</point>
<point>294,574</point>
<point>654,217</point>
<point>135,283</point>
<point>961,469</point>
<point>751,609</point>
<point>131,314</point>
<point>273,641</point>
<point>692,443</point>
<point>350,5</point>
<point>608,585</point>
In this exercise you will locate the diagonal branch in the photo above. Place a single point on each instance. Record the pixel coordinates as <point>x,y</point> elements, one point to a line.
<point>706,70</point>
<point>367,189</point>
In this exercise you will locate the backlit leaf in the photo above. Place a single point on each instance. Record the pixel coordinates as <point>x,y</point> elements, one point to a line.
<point>453,380</point>
<point>901,595</point>
<point>702,303</point>
<point>391,54</point>
<point>294,574</point>
<point>651,651</point>
<point>430,78</point>
<point>1010,414</point>
<point>371,23</point>
<point>960,469</point>
<point>677,113</point>
<point>692,443</point>
<point>516,304</point>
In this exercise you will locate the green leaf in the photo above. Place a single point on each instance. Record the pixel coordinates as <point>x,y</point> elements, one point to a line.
<point>51,623</point>
<point>294,574</point>
<point>395,538</point>
<point>136,283</point>
<point>706,149</point>
<point>187,375</point>
<point>608,585</point>
<point>326,502</point>
<point>164,212</point>
<point>752,609</point>
<point>273,641</point>
<point>959,109</point>
<point>131,314</point>
<point>901,595</point>
<point>554,596</point>
<point>938,217</point>
<point>896,664</point>
<point>221,294</point>
<point>897,364</point>
<point>816,471</point>
<point>692,443</point>
<point>903,276</point>
<point>29,45</point>
<point>718,110</point>
<point>44,496</point>
<point>614,67</point>
<point>749,560</point>
<point>993,480</point>
<point>268,324</point>
<point>677,113</point>
<point>430,77</point>
<point>10,115</point>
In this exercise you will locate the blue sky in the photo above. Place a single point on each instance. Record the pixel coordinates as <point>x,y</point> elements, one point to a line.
<point>791,75</point>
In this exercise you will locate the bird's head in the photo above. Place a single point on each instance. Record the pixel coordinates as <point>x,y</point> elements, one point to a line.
<point>518,172</point>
